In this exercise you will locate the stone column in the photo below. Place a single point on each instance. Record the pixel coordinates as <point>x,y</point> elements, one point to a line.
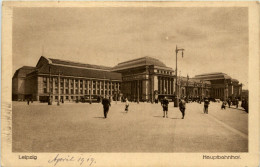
<point>164,83</point>
<point>138,96</point>
<point>87,86</point>
<point>96,92</point>
<point>78,86</point>
<point>91,87</point>
<point>167,86</point>
<point>69,80</point>
<point>99,92</point>
<point>104,88</point>
<point>64,87</point>
<point>59,89</point>
<point>107,88</point>
<point>111,89</point>
<point>48,85</point>
<point>159,83</point>
<point>170,86</point>
<point>74,89</point>
<point>83,86</point>
<point>53,89</point>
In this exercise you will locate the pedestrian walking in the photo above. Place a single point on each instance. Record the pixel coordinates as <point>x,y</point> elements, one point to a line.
<point>182,106</point>
<point>28,101</point>
<point>223,106</point>
<point>126,105</point>
<point>106,104</point>
<point>229,103</point>
<point>206,105</point>
<point>237,102</point>
<point>164,104</point>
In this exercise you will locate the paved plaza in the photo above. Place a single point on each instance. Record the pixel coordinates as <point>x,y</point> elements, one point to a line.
<point>79,127</point>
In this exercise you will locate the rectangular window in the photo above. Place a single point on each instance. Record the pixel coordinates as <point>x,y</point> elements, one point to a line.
<point>44,90</point>
<point>44,79</point>
<point>67,97</point>
<point>81,83</point>
<point>72,91</point>
<point>77,91</point>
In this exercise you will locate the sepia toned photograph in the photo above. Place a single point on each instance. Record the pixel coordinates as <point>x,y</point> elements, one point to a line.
<point>129,79</point>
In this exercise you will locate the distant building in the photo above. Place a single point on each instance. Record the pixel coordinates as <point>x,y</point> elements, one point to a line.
<point>194,88</point>
<point>222,85</point>
<point>19,83</point>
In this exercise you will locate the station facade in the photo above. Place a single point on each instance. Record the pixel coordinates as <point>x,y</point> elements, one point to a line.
<point>146,79</point>
<point>143,79</point>
<point>222,85</point>
<point>66,80</point>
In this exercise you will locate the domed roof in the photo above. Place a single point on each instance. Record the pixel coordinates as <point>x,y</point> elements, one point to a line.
<point>234,80</point>
<point>143,61</point>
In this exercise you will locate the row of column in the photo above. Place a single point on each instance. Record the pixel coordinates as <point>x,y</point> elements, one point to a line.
<point>165,85</point>
<point>90,89</point>
<point>219,92</point>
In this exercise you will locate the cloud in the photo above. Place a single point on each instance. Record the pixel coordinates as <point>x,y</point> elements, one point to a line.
<point>215,39</point>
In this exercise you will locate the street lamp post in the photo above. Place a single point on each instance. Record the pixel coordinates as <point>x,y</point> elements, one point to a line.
<point>176,102</point>
<point>187,87</point>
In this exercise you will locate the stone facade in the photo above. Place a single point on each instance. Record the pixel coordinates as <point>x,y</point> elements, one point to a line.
<point>142,79</point>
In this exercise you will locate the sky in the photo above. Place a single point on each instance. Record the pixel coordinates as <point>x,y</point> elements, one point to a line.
<point>215,39</point>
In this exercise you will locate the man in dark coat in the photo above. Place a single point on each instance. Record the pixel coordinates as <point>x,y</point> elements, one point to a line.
<point>106,105</point>
<point>182,106</point>
<point>229,103</point>
<point>164,104</point>
<point>206,105</point>
<point>237,102</point>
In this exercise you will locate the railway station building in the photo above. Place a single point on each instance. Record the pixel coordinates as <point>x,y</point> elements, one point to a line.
<point>142,79</point>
